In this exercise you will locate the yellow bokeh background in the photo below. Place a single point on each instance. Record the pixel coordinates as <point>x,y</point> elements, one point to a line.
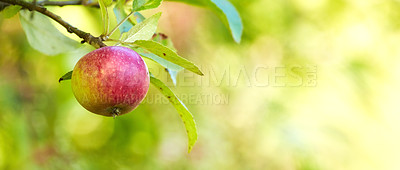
<point>314,84</point>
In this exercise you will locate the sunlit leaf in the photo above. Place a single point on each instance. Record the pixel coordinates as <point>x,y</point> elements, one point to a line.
<point>136,4</point>
<point>139,5</point>
<point>231,18</point>
<point>66,76</point>
<point>167,54</point>
<point>10,11</point>
<point>142,31</point>
<point>172,68</point>
<point>164,40</point>
<point>107,2</point>
<point>104,14</point>
<point>184,113</point>
<point>43,36</point>
<point>225,11</point>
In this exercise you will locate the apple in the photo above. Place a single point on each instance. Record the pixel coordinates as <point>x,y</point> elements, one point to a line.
<point>110,81</point>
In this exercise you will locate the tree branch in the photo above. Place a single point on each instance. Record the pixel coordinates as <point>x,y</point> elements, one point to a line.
<point>63,3</point>
<point>58,3</point>
<point>94,41</point>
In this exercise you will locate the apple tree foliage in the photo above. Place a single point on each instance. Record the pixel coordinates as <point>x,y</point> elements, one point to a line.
<point>136,32</point>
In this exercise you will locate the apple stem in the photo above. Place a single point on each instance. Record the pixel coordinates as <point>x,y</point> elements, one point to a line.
<point>115,112</point>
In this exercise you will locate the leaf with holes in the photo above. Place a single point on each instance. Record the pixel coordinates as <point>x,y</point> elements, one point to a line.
<point>168,54</point>
<point>172,68</point>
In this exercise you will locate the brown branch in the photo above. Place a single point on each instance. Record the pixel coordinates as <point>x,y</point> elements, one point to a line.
<point>92,40</point>
<point>63,3</point>
<point>58,3</point>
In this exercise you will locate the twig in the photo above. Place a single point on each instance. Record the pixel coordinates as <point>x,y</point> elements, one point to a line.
<point>63,3</point>
<point>58,3</point>
<point>120,23</point>
<point>87,37</point>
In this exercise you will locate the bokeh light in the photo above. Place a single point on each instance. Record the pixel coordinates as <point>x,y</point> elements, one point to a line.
<point>313,85</point>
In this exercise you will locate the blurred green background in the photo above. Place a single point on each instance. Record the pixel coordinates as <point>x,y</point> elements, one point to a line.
<point>314,84</point>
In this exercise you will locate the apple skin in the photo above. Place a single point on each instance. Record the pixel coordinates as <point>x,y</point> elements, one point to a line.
<point>110,81</point>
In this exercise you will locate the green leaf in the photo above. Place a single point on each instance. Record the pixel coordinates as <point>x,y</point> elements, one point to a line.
<point>120,14</point>
<point>230,17</point>
<point>107,3</point>
<point>225,11</point>
<point>143,30</point>
<point>164,40</point>
<point>172,68</point>
<point>66,76</point>
<point>168,54</point>
<point>184,113</point>
<point>173,74</point>
<point>103,11</point>
<point>139,5</point>
<point>10,11</point>
<point>104,14</point>
<point>43,36</point>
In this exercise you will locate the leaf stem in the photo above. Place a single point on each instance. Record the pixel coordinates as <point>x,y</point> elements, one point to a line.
<point>107,21</point>
<point>120,23</point>
<point>130,44</point>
